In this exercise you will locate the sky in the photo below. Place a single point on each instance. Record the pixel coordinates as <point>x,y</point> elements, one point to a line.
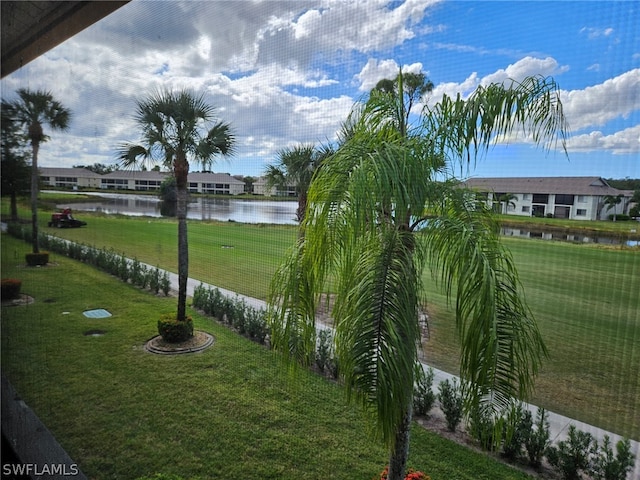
<point>283,73</point>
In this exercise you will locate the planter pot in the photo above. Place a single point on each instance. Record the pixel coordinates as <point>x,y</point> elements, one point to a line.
<point>11,288</point>
<point>173,331</point>
<point>37,259</point>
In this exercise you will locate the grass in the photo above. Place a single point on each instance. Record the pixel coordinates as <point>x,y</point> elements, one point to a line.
<point>584,298</point>
<point>228,412</point>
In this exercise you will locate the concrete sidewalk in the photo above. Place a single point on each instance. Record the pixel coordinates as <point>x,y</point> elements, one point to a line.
<point>558,424</point>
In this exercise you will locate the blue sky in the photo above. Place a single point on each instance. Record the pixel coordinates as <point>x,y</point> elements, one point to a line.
<point>288,72</point>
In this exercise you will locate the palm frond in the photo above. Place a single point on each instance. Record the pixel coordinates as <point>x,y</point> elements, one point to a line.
<point>502,348</point>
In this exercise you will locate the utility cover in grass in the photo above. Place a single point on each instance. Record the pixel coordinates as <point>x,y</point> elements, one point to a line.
<point>97,313</point>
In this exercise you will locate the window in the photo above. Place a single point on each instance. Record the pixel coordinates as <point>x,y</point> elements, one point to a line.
<point>540,198</point>
<point>526,209</point>
<point>562,199</point>
<point>582,199</point>
<point>526,196</point>
<point>581,212</point>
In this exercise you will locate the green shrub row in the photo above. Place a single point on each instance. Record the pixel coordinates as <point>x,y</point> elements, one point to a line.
<point>521,438</point>
<point>247,320</point>
<point>107,260</point>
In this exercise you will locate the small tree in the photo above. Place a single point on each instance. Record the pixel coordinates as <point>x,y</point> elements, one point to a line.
<point>612,201</point>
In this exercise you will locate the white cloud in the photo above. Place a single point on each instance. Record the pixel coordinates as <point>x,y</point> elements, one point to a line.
<point>597,105</point>
<point>376,70</point>
<point>626,141</point>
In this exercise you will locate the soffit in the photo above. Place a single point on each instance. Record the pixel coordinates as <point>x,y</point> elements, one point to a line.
<point>31,28</point>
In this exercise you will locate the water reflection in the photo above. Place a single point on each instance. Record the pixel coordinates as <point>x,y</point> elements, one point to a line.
<point>221,209</point>
<point>566,237</point>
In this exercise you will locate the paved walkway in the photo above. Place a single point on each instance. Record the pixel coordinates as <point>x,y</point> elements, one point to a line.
<point>558,424</point>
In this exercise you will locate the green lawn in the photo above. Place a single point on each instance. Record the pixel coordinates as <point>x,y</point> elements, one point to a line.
<point>228,412</point>
<point>584,298</point>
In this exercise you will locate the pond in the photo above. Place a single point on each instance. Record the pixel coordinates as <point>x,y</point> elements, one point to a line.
<point>567,237</point>
<point>222,209</point>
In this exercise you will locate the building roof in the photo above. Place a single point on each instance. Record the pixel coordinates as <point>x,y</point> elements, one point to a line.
<point>68,172</point>
<point>545,185</point>
<point>137,175</point>
<point>208,177</point>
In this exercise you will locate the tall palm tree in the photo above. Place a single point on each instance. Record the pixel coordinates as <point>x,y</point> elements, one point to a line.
<point>295,166</point>
<point>612,201</point>
<point>16,172</point>
<point>176,128</point>
<point>33,110</point>
<point>378,214</point>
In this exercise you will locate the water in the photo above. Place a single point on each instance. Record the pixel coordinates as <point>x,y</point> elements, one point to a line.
<point>566,237</point>
<point>222,209</point>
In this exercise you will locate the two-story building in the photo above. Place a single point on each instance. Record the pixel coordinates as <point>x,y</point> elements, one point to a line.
<point>577,198</point>
<point>138,180</point>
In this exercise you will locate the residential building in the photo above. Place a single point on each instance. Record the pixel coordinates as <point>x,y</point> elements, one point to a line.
<point>69,178</point>
<point>577,198</point>
<point>138,180</point>
<point>261,187</point>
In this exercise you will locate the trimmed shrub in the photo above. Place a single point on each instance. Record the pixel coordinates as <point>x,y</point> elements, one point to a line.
<point>37,259</point>
<point>537,441</point>
<point>450,397</point>
<point>606,466</point>
<point>174,331</point>
<point>11,288</point>
<point>571,457</point>
<point>423,396</point>
<point>324,349</point>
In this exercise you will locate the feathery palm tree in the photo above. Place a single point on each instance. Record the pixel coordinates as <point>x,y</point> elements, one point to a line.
<point>175,129</point>
<point>378,214</point>
<point>32,110</point>
<point>295,166</point>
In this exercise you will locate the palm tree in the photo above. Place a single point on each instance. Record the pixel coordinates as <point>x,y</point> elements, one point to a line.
<point>33,110</point>
<point>506,200</point>
<point>175,129</point>
<point>16,173</point>
<point>612,201</point>
<point>377,216</point>
<point>295,166</point>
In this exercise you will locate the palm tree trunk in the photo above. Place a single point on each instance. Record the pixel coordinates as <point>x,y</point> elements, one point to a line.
<point>35,145</point>
<point>181,169</point>
<point>400,449</point>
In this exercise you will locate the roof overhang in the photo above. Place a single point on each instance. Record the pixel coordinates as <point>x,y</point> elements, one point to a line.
<point>31,28</point>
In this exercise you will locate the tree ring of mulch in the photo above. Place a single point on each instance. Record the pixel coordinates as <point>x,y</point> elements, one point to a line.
<point>199,342</point>
<point>17,302</point>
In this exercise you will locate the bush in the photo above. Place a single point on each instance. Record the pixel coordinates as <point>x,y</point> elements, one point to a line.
<point>608,467</point>
<point>516,429</point>
<point>571,457</point>
<point>485,426</point>
<point>11,288</point>
<point>537,441</point>
<point>324,349</point>
<point>423,396</point>
<point>620,217</point>
<point>450,397</point>
<point>174,331</point>
<point>37,259</point>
